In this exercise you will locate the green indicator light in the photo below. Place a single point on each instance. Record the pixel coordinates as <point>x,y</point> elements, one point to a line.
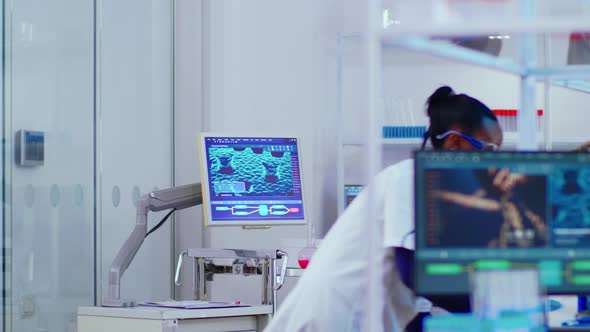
<point>581,265</point>
<point>581,280</point>
<point>438,269</point>
<point>492,265</point>
<point>454,322</point>
<point>550,272</point>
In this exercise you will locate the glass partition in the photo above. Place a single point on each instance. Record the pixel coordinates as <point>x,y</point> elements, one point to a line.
<point>87,124</point>
<point>134,139</point>
<point>49,89</point>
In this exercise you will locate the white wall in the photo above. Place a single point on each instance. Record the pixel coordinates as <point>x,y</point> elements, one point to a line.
<point>260,76</point>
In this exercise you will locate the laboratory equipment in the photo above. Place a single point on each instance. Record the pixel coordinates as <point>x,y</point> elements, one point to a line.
<point>174,198</point>
<point>305,256</point>
<point>502,211</point>
<point>251,180</point>
<point>209,262</point>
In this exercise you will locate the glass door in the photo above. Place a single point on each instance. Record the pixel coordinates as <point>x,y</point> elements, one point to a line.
<point>86,120</point>
<point>49,190</point>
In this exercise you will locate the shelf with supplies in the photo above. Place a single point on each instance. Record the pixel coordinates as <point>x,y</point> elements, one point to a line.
<point>510,142</point>
<point>522,47</point>
<point>387,142</point>
<point>574,76</point>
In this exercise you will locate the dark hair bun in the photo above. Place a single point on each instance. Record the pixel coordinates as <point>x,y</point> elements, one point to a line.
<point>440,95</point>
<point>448,110</point>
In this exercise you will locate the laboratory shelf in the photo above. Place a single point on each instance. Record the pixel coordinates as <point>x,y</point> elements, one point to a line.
<point>564,73</point>
<point>510,142</point>
<point>482,17</point>
<point>576,85</point>
<point>575,77</point>
<point>386,142</point>
<point>567,144</point>
<point>431,28</point>
<point>488,27</point>
<point>446,50</point>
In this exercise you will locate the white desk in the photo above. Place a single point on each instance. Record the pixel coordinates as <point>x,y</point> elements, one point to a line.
<point>148,319</point>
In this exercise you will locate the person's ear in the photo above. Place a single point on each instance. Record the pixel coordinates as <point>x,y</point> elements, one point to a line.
<point>453,142</point>
<point>584,147</point>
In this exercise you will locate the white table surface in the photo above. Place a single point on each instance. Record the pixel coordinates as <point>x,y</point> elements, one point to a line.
<point>141,312</point>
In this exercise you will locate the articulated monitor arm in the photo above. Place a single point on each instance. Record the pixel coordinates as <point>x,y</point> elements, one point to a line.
<point>174,198</point>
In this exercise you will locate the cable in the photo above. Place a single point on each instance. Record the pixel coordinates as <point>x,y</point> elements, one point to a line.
<point>160,223</point>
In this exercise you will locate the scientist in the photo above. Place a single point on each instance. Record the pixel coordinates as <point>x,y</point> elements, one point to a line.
<point>331,294</point>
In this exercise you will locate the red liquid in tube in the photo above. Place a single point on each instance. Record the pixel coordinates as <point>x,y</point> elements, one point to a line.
<point>303,263</point>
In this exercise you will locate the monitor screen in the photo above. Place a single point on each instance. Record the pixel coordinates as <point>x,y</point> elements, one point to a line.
<point>501,211</point>
<point>350,193</point>
<point>251,180</point>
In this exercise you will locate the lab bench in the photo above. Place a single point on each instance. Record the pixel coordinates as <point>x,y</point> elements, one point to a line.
<point>152,319</point>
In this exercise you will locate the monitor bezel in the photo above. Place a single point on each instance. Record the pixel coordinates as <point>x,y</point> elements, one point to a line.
<point>207,215</point>
<point>415,271</point>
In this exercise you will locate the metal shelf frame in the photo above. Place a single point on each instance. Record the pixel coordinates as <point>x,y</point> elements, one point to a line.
<point>414,36</point>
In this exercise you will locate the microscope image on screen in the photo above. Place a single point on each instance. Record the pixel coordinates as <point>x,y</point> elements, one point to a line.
<point>252,180</point>
<point>571,199</point>
<point>570,207</point>
<point>250,172</point>
<point>485,208</point>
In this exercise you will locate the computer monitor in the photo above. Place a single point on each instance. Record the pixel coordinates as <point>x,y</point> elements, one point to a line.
<point>251,180</point>
<point>471,215</point>
<point>351,191</point>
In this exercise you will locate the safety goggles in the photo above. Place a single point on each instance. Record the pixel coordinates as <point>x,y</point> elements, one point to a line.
<point>477,144</point>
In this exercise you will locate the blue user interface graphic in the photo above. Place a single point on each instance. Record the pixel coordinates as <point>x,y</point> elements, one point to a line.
<point>254,178</point>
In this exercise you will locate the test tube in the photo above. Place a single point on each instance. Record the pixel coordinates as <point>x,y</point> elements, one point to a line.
<point>515,121</point>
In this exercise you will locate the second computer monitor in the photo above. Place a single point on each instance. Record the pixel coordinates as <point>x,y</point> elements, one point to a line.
<point>249,180</point>
<point>501,211</point>
<point>351,191</point>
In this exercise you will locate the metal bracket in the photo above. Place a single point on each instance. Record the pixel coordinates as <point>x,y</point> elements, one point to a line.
<point>281,276</point>
<point>178,267</point>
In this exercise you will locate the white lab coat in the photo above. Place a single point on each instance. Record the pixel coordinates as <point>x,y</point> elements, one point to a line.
<point>330,295</point>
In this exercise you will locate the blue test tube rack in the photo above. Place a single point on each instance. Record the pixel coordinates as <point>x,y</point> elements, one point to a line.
<point>404,131</point>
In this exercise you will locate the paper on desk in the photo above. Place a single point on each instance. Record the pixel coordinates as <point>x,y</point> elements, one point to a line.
<point>193,304</point>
